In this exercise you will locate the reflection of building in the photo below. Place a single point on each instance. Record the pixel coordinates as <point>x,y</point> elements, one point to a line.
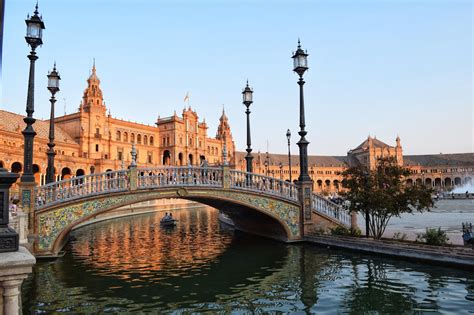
<point>91,140</point>
<point>441,171</point>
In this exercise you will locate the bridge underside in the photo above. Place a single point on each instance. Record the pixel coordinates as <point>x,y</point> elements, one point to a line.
<point>248,220</point>
<point>251,212</point>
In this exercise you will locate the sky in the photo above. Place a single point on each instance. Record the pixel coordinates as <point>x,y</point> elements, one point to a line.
<point>381,68</point>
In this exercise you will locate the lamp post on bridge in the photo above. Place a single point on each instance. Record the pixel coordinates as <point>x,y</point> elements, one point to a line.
<point>34,33</point>
<point>53,87</point>
<point>288,137</point>
<point>247,95</point>
<point>300,65</point>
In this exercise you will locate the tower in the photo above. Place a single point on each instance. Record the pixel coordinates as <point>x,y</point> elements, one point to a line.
<point>225,136</point>
<point>399,152</point>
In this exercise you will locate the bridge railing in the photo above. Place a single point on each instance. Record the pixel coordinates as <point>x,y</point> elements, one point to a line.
<point>330,209</point>
<point>80,186</point>
<point>179,176</point>
<point>265,184</point>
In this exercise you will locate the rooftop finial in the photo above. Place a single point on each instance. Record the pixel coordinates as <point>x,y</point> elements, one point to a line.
<point>36,8</point>
<point>54,67</point>
<point>93,65</point>
<point>247,82</point>
<point>299,43</point>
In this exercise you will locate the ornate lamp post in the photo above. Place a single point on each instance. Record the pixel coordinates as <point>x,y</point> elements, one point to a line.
<point>247,95</point>
<point>300,65</point>
<point>300,62</point>
<point>34,33</point>
<point>288,137</point>
<point>53,87</point>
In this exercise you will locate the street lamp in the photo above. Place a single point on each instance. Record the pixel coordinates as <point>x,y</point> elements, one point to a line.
<point>247,95</point>
<point>34,33</point>
<point>288,137</point>
<point>300,62</point>
<point>53,87</point>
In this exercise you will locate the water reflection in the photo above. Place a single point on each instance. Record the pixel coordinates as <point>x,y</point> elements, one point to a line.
<point>132,264</point>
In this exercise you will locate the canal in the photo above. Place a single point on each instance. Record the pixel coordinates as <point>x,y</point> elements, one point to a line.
<point>132,265</point>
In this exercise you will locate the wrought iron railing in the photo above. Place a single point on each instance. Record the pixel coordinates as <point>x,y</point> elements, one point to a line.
<point>80,186</point>
<point>179,176</point>
<point>330,209</point>
<point>263,184</point>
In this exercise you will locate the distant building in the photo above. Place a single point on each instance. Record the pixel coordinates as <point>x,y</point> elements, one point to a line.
<point>440,171</point>
<point>92,141</point>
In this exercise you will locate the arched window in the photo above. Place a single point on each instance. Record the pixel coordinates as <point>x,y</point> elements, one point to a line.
<point>145,140</point>
<point>132,137</point>
<point>118,136</point>
<point>125,136</point>
<point>151,140</point>
<point>139,139</point>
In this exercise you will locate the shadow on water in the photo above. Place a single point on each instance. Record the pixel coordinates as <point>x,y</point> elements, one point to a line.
<point>132,264</point>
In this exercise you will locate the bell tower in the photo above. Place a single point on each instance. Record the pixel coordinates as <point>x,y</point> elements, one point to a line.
<point>225,136</point>
<point>92,100</point>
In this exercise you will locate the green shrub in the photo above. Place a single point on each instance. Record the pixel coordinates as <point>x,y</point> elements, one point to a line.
<point>433,237</point>
<point>341,230</point>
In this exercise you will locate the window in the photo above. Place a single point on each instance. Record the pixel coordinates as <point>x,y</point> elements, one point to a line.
<point>139,139</point>
<point>145,140</point>
<point>150,157</point>
<point>125,137</point>
<point>118,136</point>
<point>119,155</point>
<point>96,148</point>
<point>151,140</point>
<point>132,137</point>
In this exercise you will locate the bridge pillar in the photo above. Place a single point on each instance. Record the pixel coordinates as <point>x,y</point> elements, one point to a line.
<point>226,176</point>
<point>27,201</point>
<point>305,191</point>
<point>132,177</point>
<point>354,220</point>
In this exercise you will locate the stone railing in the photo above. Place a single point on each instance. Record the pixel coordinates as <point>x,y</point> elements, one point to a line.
<point>263,184</point>
<point>179,176</point>
<point>81,186</point>
<point>330,209</point>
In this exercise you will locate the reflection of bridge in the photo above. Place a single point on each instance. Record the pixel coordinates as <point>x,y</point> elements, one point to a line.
<point>257,204</point>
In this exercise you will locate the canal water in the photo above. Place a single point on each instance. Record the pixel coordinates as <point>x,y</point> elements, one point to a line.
<point>200,266</point>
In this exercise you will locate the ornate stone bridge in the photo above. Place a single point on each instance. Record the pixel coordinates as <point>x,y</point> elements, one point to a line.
<point>257,204</point>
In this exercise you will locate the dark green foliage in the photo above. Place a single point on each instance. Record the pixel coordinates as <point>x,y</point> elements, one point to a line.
<point>381,193</point>
<point>436,237</point>
<point>341,230</point>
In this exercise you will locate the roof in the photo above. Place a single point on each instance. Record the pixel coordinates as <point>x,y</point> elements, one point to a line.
<point>12,122</point>
<point>313,160</point>
<point>455,159</point>
<point>375,142</point>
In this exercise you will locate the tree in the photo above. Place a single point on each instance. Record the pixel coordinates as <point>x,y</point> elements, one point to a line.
<point>382,193</point>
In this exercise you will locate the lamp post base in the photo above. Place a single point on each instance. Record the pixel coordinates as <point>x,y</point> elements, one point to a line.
<point>9,240</point>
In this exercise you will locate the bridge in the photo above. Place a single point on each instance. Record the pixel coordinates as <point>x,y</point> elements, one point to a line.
<point>257,204</point>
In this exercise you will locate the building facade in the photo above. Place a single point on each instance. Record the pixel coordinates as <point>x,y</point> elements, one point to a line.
<point>443,172</point>
<point>91,140</point>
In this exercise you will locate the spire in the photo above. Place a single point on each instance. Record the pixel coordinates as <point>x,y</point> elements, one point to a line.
<point>36,8</point>
<point>299,43</point>
<point>93,66</point>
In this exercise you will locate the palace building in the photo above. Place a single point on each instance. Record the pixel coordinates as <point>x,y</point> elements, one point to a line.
<point>92,141</point>
<point>441,171</point>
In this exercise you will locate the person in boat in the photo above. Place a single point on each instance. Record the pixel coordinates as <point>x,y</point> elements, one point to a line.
<point>170,216</point>
<point>166,217</point>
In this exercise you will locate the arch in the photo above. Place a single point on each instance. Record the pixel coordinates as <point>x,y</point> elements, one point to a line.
<point>166,157</point>
<point>151,140</point>
<point>320,184</point>
<point>327,184</point>
<point>409,182</point>
<point>108,170</point>
<point>132,137</point>
<point>202,158</point>
<point>80,172</point>
<point>457,181</point>
<point>2,165</point>
<point>428,182</point>
<point>468,180</point>
<point>118,135</point>
<point>37,173</point>
<point>125,136</point>
<point>180,159</point>
<point>17,167</point>
<point>139,139</point>
<point>190,159</point>
<point>437,182</point>
<point>66,173</point>
<point>418,181</point>
<point>250,212</point>
<point>336,184</point>
<point>145,140</point>
<point>448,182</point>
